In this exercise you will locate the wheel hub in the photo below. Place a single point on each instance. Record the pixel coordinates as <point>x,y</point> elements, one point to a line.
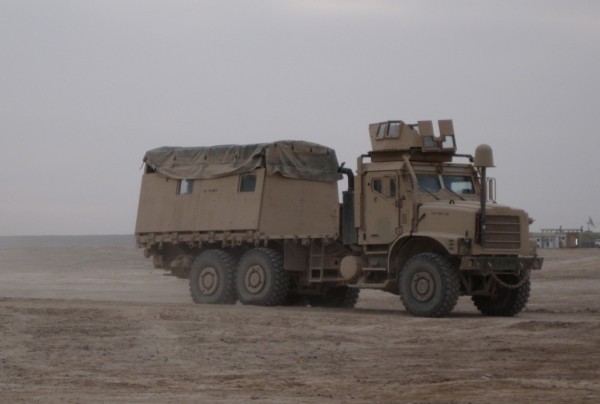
<point>255,279</point>
<point>422,286</point>
<point>208,281</point>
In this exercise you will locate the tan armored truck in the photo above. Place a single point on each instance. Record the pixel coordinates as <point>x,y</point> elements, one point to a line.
<point>262,223</point>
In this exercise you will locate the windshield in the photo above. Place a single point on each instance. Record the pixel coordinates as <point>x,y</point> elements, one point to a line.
<point>457,184</point>
<point>429,183</point>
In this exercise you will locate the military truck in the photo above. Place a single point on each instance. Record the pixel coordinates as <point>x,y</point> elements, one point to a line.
<point>263,223</point>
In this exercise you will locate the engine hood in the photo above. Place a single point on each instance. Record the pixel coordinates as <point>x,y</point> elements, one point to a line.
<point>452,220</point>
<point>468,206</point>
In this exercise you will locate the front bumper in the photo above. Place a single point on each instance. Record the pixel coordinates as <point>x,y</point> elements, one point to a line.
<point>500,264</point>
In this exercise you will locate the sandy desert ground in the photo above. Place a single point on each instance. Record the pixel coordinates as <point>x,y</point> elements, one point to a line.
<point>91,322</point>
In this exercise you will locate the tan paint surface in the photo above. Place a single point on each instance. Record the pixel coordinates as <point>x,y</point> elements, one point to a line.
<point>214,204</point>
<point>299,207</point>
<point>278,206</point>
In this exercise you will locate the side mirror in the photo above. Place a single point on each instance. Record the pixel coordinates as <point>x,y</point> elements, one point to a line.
<point>491,190</point>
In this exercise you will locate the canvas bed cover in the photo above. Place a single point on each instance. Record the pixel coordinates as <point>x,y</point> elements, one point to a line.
<point>290,158</point>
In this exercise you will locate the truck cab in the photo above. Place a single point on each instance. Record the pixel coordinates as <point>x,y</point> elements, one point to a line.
<point>414,205</point>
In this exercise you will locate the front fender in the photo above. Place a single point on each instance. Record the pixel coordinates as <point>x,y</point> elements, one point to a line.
<point>452,244</point>
<point>408,246</point>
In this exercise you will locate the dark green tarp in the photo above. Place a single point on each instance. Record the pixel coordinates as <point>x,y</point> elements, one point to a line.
<point>292,159</point>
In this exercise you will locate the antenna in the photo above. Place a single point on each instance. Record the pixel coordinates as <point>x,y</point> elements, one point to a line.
<point>590,222</point>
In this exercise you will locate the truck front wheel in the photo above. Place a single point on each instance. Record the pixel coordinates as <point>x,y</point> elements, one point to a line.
<point>505,302</point>
<point>429,285</point>
<point>212,278</point>
<point>261,279</point>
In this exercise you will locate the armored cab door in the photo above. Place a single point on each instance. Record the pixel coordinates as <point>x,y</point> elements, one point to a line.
<point>380,202</point>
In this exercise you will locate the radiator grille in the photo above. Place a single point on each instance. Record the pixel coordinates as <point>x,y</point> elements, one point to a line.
<point>502,232</point>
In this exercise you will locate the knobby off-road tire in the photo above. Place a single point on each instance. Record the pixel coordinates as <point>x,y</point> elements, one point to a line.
<point>261,279</point>
<point>429,285</point>
<point>338,297</point>
<point>506,302</point>
<point>212,278</point>
<point>295,300</point>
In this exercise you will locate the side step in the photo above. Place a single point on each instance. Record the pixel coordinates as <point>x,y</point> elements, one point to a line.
<point>372,285</point>
<point>374,269</point>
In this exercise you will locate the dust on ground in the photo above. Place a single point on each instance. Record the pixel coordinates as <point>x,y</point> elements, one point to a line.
<point>97,324</point>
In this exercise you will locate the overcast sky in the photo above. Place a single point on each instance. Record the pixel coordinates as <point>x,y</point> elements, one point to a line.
<point>86,87</point>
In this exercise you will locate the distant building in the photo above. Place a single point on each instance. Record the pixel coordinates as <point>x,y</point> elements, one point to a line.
<point>558,238</point>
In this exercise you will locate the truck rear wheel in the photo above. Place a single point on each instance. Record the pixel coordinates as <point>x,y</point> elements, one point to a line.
<point>429,285</point>
<point>506,302</point>
<point>212,278</point>
<point>261,279</point>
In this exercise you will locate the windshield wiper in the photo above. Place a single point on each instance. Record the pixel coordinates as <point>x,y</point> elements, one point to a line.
<point>452,192</point>
<point>429,192</point>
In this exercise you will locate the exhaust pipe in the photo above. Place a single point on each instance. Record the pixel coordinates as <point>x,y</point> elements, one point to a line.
<point>348,230</point>
<point>483,158</point>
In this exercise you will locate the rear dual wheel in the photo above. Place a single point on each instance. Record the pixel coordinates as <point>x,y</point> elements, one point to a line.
<point>261,279</point>
<point>212,278</point>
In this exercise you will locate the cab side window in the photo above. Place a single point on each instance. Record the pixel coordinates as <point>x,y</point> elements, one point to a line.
<point>385,186</point>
